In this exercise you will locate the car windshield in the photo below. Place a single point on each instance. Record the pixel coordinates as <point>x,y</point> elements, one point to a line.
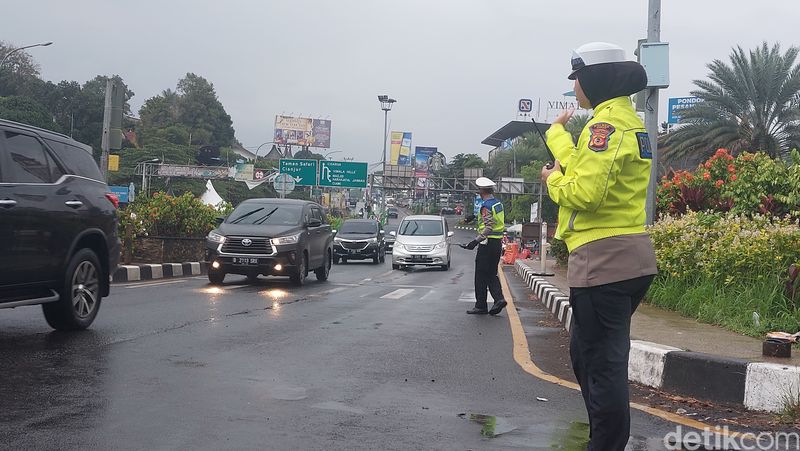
<point>421,227</point>
<point>266,214</point>
<point>359,228</point>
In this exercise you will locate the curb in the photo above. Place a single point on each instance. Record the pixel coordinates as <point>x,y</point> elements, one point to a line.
<point>463,228</point>
<point>753,385</point>
<point>133,273</point>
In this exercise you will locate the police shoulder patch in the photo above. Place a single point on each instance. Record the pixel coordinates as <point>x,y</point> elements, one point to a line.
<point>645,151</point>
<point>600,134</point>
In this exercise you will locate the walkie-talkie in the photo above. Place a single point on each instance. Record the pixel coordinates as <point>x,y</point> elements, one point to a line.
<point>549,152</point>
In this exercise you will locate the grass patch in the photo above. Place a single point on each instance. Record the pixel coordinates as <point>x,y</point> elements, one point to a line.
<point>730,306</point>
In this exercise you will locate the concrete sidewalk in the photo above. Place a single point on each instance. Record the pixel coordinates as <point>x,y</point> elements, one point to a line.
<point>681,355</point>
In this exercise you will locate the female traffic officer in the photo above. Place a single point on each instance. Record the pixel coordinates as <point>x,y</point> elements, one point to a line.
<point>600,186</point>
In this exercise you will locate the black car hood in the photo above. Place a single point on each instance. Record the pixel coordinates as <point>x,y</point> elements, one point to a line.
<point>269,231</point>
<point>354,236</point>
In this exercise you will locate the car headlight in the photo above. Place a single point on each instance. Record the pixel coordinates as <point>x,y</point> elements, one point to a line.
<point>283,240</point>
<point>372,240</point>
<point>441,245</point>
<point>399,246</point>
<point>337,240</point>
<point>215,237</point>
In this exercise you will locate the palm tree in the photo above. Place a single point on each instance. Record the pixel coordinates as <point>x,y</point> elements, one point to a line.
<point>576,125</point>
<point>750,104</point>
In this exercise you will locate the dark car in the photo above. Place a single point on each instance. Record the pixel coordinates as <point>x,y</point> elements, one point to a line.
<point>447,211</point>
<point>389,237</point>
<point>392,212</point>
<point>58,224</point>
<point>273,237</point>
<point>359,239</point>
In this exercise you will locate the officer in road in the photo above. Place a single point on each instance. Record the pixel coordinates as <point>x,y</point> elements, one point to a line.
<point>491,224</point>
<point>600,185</point>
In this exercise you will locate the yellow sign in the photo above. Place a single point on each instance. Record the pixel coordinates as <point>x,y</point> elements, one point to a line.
<point>113,163</point>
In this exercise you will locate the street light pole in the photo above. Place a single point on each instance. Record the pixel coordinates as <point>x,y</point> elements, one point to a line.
<point>651,112</point>
<point>386,106</point>
<point>43,44</point>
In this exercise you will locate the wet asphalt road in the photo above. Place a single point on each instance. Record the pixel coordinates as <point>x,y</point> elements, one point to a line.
<point>371,359</point>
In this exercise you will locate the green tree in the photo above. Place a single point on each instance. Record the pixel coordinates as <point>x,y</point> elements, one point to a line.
<point>576,125</point>
<point>201,111</point>
<point>749,104</point>
<point>28,111</point>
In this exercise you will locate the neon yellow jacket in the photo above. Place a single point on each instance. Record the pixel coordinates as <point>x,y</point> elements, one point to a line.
<point>603,188</point>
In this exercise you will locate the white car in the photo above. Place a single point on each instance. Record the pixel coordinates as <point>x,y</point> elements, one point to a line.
<point>422,240</point>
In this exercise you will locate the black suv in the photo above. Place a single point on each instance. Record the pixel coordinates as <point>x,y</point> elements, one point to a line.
<point>273,237</point>
<point>359,239</point>
<point>58,224</point>
<point>392,212</point>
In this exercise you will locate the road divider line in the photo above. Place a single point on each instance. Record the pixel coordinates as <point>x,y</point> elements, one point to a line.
<point>429,294</point>
<point>523,357</point>
<point>397,294</point>
<point>145,285</point>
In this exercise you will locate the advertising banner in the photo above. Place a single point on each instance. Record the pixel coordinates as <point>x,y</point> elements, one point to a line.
<point>400,154</point>
<point>394,147</point>
<point>244,171</point>
<point>422,157</point>
<point>198,172</point>
<point>302,131</point>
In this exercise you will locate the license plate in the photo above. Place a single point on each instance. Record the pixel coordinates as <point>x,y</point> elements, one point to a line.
<point>245,261</point>
<point>417,257</point>
<point>353,251</point>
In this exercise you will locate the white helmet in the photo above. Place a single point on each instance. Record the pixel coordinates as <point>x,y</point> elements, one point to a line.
<point>484,182</point>
<point>595,53</point>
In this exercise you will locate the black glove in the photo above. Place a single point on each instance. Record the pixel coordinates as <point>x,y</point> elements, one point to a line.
<point>472,245</point>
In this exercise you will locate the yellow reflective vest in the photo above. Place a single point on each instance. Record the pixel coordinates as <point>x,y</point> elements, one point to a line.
<point>492,219</point>
<point>602,190</point>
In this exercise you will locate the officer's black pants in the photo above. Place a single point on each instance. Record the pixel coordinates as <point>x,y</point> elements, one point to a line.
<point>486,262</point>
<point>599,348</point>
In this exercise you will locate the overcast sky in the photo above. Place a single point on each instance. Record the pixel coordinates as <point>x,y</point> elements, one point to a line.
<point>456,67</point>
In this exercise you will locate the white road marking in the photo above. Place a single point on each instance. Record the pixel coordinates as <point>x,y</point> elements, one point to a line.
<point>397,294</point>
<point>467,296</point>
<point>430,294</point>
<point>145,285</point>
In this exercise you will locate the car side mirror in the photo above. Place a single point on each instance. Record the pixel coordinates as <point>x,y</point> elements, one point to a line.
<point>219,220</point>
<point>314,222</point>
<point>449,234</point>
<point>393,233</point>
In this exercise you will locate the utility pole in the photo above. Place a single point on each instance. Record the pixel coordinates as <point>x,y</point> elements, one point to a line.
<point>651,111</point>
<point>105,144</point>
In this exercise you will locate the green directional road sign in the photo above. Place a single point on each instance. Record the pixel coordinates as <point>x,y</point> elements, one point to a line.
<point>304,172</point>
<point>345,174</point>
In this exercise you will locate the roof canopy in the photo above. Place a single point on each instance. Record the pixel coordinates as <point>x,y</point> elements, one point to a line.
<point>512,130</point>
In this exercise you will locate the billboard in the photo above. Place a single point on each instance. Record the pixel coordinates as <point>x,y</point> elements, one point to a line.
<point>422,156</point>
<point>400,154</point>
<point>676,104</point>
<point>302,131</point>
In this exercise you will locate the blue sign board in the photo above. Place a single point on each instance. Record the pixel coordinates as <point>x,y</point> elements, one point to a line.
<point>121,192</point>
<point>676,104</point>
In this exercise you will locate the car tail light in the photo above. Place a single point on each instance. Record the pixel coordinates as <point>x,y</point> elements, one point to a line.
<point>113,199</point>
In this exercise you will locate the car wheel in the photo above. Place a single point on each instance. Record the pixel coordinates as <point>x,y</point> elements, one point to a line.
<point>216,277</point>
<point>79,296</point>
<point>299,277</point>
<point>252,278</point>
<point>395,267</point>
<point>324,271</point>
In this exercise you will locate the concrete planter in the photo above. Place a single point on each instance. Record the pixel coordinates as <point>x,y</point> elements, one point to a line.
<point>160,249</point>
